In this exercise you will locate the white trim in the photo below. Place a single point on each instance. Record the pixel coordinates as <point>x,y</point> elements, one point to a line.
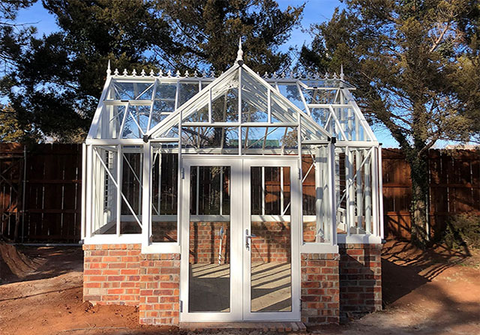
<point>83,219</point>
<point>318,248</point>
<point>114,239</point>
<point>359,239</point>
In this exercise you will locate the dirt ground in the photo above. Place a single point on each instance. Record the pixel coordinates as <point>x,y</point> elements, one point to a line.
<point>433,292</point>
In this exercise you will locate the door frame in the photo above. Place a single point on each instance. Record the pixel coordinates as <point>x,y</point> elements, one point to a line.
<point>295,233</point>
<point>239,221</point>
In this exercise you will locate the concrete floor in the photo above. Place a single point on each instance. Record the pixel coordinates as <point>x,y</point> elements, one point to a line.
<point>210,287</point>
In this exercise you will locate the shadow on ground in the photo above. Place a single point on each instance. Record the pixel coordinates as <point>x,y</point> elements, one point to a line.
<point>24,263</point>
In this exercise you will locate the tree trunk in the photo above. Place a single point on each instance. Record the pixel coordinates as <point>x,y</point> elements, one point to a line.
<point>420,195</point>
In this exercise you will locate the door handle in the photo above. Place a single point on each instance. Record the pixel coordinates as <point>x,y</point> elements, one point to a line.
<point>248,239</point>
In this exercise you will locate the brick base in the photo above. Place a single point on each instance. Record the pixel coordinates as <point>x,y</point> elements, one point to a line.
<point>160,289</point>
<point>118,274</point>
<point>112,274</point>
<point>320,289</point>
<point>333,286</point>
<point>360,279</point>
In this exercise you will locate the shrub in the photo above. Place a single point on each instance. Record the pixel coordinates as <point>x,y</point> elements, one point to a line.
<point>463,230</point>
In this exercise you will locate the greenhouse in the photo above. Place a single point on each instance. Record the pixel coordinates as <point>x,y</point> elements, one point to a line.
<point>237,197</point>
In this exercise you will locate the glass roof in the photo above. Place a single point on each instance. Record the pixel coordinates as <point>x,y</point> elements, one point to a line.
<point>241,101</point>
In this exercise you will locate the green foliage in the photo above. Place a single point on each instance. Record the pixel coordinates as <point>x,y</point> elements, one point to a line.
<point>463,230</point>
<point>416,66</point>
<point>209,31</point>
<point>54,82</point>
<point>10,129</point>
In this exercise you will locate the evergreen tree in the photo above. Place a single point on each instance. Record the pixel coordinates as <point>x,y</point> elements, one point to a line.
<point>56,80</point>
<point>415,64</point>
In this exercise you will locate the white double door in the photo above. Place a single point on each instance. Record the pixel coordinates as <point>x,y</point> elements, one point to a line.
<point>240,239</point>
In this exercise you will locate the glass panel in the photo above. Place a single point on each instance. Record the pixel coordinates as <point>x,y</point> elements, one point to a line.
<point>309,197</point>
<point>225,106</point>
<point>166,92</point>
<point>320,96</point>
<point>187,90</point>
<point>199,115</point>
<point>254,100</point>
<point>115,116</point>
<point>209,262</point>
<point>132,191</point>
<point>281,112</point>
<point>105,192</point>
<point>292,93</point>
<point>132,91</point>
<point>164,196</point>
<point>161,109</point>
<point>222,138</point>
<point>255,138</point>
<point>270,244</point>
<point>141,115</point>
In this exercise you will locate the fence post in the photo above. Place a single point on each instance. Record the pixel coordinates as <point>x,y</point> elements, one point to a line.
<point>24,187</point>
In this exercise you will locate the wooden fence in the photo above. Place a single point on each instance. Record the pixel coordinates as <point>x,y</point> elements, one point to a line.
<point>454,180</point>
<point>40,191</point>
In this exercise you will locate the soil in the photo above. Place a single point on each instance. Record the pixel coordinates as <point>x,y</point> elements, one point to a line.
<point>425,292</point>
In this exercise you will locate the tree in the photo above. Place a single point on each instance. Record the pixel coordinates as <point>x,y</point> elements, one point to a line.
<point>56,80</point>
<point>209,31</point>
<point>10,129</point>
<point>409,60</point>
<point>12,35</point>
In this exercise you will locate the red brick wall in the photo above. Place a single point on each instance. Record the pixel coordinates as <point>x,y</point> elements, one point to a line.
<point>111,274</point>
<point>320,289</point>
<point>159,289</point>
<point>119,274</point>
<point>360,279</point>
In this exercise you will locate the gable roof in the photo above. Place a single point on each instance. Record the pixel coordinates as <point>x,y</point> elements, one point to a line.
<point>260,105</point>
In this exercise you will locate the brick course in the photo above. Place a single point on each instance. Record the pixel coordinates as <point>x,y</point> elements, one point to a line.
<point>360,279</point>
<point>118,274</point>
<point>159,289</point>
<point>320,289</point>
<point>111,274</point>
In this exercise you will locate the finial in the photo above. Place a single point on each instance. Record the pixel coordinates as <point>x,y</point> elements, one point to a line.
<point>342,76</point>
<point>143,73</point>
<point>109,71</point>
<point>240,52</point>
<point>115,73</point>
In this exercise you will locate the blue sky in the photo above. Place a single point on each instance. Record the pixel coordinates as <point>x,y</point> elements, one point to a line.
<point>316,11</point>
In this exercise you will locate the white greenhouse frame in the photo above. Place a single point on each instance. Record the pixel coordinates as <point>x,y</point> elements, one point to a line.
<point>312,125</point>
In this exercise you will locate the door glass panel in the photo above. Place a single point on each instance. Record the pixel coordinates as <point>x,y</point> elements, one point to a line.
<point>209,260</point>
<point>270,242</point>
